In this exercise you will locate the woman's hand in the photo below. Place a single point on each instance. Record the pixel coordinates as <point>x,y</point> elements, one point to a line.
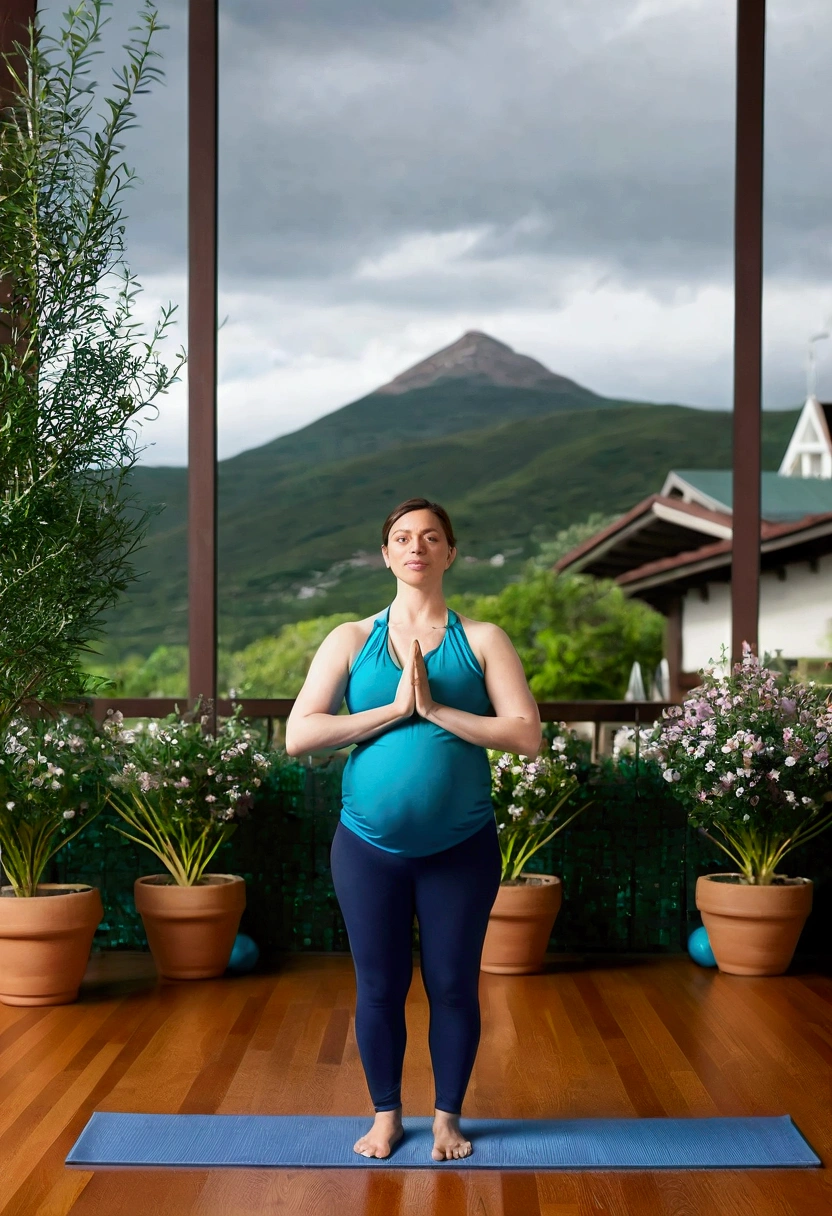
<point>425,703</point>
<point>404,701</point>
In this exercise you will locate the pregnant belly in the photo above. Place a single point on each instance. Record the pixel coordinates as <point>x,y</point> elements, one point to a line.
<point>416,789</point>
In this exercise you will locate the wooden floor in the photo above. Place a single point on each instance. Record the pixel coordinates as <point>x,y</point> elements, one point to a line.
<point>618,1037</point>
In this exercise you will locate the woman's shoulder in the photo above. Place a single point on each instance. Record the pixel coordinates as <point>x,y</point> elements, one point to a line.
<point>350,636</point>
<point>480,629</point>
<point>349,631</point>
<point>484,638</point>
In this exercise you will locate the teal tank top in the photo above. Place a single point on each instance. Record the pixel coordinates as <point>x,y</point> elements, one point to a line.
<point>416,788</point>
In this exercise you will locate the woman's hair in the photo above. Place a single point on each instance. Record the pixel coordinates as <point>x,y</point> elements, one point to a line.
<point>419,504</point>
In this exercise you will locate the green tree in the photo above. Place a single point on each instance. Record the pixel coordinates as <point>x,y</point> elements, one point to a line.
<point>277,666</point>
<point>163,673</point>
<point>76,369</point>
<point>269,667</point>
<point>577,636</point>
<point>566,539</point>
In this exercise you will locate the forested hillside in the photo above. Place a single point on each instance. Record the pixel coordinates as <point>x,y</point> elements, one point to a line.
<point>299,517</point>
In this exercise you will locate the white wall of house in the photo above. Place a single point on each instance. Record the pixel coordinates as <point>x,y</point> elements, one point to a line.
<point>795,616</point>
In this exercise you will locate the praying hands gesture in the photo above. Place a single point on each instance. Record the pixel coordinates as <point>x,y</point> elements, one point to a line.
<point>413,692</point>
<point>425,703</point>
<point>316,725</point>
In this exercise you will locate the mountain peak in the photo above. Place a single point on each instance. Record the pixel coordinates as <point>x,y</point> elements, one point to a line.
<point>475,356</point>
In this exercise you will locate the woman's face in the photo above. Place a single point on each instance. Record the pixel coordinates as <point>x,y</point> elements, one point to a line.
<point>417,549</point>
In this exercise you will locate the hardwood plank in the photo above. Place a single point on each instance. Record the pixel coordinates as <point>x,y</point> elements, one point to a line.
<point>642,1099</point>
<point>584,1038</point>
<point>520,1194</point>
<point>34,1074</point>
<point>208,1088</point>
<point>335,1037</point>
<point>48,1115</point>
<point>50,1167</point>
<point>15,1028</point>
<point>696,1049</point>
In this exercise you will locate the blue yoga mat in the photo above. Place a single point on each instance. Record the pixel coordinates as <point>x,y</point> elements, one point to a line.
<point>317,1141</point>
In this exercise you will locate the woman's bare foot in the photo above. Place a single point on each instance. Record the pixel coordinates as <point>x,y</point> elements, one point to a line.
<point>448,1140</point>
<point>386,1131</point>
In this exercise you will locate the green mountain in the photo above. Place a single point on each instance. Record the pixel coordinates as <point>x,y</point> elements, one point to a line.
<point>299,518</point>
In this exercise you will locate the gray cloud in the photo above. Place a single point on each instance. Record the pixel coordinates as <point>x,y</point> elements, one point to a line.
<point>481,123</point>
<point>567,135</point>
<point>320,23</point>
<point>346,127</point>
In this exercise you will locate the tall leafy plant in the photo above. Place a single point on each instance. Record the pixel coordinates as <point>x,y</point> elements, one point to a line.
<point>76,368</point>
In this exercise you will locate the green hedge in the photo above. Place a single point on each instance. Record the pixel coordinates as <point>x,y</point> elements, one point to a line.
<point>629,865</point>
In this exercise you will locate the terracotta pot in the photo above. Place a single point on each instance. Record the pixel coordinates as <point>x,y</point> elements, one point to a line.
<point>519,925</point>
<point>753,930</point>
<point>190,930</point>
<point>45,942</point>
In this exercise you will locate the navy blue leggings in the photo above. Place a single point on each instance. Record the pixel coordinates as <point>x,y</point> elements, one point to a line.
<point>451,893</point>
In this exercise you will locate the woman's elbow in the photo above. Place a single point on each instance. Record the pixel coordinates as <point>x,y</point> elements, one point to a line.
<point>535,742</point>
<point>291,743</point>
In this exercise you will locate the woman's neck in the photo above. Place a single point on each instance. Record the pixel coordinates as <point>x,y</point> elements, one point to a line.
<point>415,608</point>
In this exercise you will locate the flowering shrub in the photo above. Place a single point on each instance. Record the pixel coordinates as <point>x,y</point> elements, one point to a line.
<point>53,774</point>
<point>182,791</point>
<point>528,793</point>
<point>750,760</point>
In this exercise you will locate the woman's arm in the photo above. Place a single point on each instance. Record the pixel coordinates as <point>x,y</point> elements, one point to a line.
<point>516,727</point>
<point>314,723</point>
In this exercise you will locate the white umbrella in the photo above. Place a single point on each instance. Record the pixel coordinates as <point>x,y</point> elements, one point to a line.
<point>635,688</point>
<point>661,682</point>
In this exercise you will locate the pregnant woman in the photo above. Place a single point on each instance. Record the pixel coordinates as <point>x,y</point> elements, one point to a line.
<point>427,690</point>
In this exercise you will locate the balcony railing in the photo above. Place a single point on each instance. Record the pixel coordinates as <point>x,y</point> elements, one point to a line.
<point>275,711</point>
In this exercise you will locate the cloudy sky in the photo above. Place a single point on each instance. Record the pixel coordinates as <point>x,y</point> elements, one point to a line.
<point>394,172</point>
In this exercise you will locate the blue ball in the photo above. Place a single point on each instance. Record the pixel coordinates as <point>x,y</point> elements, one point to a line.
<point>244,954</point>
<point>699,948</point>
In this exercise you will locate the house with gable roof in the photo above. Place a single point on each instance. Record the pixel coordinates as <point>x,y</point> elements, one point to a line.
<point>673,550</point>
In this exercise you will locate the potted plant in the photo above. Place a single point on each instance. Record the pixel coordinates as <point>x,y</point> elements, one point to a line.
<point>181,792</point>
<point>528,794</point>
<point>748,755</point>
<point>52,784</point>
